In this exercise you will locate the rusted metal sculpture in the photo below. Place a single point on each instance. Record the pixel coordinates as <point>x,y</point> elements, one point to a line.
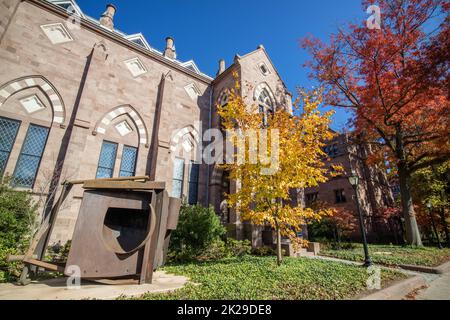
<point>123,230</point>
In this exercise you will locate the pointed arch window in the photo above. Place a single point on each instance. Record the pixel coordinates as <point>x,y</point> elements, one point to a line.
<point>178,178</point>
<point>194,171</point>
<point>107,160</point>
<point>8,133</point>
<point>30,156</point>
<point>128,165</point>
<point>266,106</point>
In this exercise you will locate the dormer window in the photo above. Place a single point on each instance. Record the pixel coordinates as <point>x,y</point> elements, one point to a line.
<point>69,6</point>
<point>139,42</point>
<point>139,39</point>
<point>191,66</point>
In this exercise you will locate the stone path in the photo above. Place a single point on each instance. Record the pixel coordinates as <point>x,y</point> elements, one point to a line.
<point>438,286</point>
<point>56,289</point>
<point>439,289</point>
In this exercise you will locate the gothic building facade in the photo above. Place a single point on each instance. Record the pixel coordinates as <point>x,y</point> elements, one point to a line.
<point>80,99</point>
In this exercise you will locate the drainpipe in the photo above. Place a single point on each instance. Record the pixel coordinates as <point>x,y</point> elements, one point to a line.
<point>211,93</point>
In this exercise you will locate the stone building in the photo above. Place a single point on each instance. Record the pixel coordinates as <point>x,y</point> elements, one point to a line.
<point>80,99</point>
<point>374,191</point>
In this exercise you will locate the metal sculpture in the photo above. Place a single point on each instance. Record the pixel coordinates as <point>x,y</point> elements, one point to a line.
<point>123,230</point>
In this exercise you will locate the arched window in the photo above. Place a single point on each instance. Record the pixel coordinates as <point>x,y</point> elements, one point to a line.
<point>123,131</point>
<point>185,178</point>
<point>223,99</point>
<point>29,108</point>
<point>266,105</point>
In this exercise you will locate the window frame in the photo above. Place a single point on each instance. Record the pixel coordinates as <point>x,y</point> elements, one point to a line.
<point>196,182</point>
<point>311,198</point>
<point>339,196</point>
<point>40,157</point>
<point>19,122</point>
<point>135,160</point>
<point>182,180</point>
<point>100,156</point>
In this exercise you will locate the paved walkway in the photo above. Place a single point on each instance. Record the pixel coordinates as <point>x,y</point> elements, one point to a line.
<point>56,289</point>
<point>439,289</point>
<point>438,286</point>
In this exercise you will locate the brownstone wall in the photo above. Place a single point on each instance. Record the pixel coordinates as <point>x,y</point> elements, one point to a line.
<point>373,189</point>
<point>105,86</point>
<point>7,9</point>
<point>86,89</point>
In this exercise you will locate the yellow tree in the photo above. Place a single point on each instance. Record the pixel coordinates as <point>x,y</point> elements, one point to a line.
<point>289,157</point>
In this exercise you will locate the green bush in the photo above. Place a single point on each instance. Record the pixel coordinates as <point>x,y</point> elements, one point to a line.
<point>18,215</point>
<point>200,236</point>
<point>264,252</point>
<point>197,228</point>
<point>58,253</point>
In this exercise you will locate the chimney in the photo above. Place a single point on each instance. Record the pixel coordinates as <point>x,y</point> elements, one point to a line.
<point>221,66</point>
<point>108,16</point>
<point>170,49</point>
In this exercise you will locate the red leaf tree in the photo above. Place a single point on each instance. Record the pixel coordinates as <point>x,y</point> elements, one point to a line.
<point>395,79</point>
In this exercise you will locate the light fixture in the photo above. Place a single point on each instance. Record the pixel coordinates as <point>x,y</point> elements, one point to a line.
<point>353,179</point>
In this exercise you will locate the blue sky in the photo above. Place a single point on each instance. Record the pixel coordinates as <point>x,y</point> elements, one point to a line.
<point>207,30</point>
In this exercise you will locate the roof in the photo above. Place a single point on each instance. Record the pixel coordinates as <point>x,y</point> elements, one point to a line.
<point>138,38</point>
<point>239,57</point>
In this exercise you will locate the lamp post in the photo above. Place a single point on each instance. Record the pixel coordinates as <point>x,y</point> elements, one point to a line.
<point>354,181</point>
<point>430,212</point>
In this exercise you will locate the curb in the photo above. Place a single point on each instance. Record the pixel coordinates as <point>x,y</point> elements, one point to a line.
<point>397,291</point>
<point>443,268</point>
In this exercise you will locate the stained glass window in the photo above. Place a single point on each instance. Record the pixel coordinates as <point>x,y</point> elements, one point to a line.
<point>128,165</point>
<point>30,156</point>
<point>193,183</point>
<point>107,160</point>
<point>8,133</point>
<point>178,177</point>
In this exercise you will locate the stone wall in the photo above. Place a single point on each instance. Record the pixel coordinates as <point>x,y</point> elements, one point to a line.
<point>7,9</point>
<point>373,188</point>
<point>97,92</point>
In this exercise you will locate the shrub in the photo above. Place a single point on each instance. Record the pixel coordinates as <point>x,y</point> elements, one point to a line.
<point>197,228</point>
<point>58,253</point>
<point>264,251</point>
<point>238,248</point>
<point>18,214</point>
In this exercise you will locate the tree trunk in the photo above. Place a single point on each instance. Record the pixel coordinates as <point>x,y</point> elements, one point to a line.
<point>412,229</point>
<point>445,225</point>
<point>279,253</point>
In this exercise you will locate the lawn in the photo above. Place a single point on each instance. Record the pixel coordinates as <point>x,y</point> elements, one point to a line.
<point>259,278</point>
<point>394,255</point>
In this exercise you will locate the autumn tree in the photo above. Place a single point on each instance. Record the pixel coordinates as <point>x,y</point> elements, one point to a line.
<point>431,185</point>
<point>274,154</point>
<point>340,225</point>
<point>395,79</point>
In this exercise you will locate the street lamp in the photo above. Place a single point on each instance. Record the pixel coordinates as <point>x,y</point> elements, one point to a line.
<point>430,212</point>
<point>354,181</point>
